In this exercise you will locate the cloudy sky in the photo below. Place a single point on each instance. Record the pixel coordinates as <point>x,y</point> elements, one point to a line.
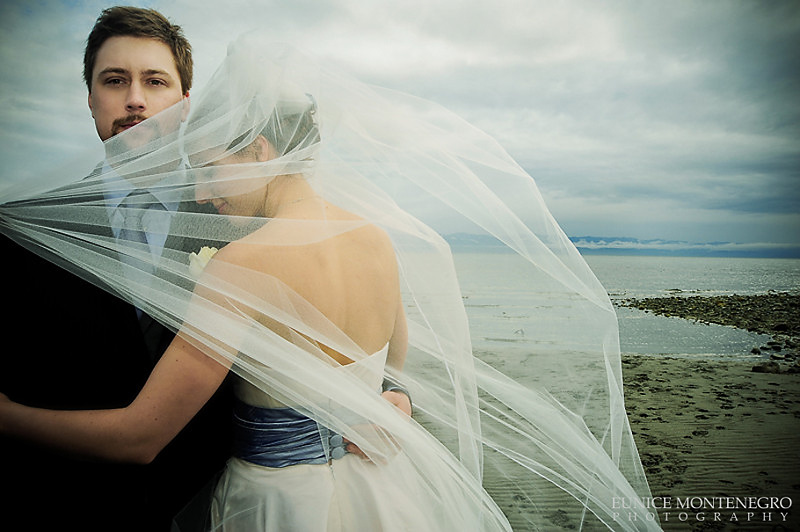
<point>654,120</point>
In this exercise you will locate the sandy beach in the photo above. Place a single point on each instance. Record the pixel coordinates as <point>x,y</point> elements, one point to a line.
<point>709,429</point>
<point>720,442</point>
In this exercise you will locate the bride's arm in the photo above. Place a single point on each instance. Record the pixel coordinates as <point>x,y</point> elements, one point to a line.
<point>398,343</point>
<point>180,384</point>
<point>396,358</point>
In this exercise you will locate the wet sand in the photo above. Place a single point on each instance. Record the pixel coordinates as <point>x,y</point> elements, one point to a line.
<point>716,429</point>
<point>721,443</point>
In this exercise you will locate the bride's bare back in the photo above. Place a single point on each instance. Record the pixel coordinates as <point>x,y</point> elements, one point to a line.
<point>343,267</point>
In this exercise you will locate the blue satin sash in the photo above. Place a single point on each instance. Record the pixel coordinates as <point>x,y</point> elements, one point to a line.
<point>281,437</point>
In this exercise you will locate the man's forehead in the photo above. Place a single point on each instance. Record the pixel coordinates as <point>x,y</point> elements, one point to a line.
<point>134,55</point>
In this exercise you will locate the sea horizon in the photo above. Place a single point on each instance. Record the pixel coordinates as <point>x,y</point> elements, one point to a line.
<point>630,246</point>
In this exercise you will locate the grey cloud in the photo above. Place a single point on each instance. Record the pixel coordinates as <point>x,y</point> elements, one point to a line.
<point>659,109</point>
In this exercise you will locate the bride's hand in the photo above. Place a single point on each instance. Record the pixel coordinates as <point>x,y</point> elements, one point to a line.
<point>401,401</point>
<point>384,446</point>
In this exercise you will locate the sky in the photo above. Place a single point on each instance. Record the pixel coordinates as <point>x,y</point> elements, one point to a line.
<point>660,121</point>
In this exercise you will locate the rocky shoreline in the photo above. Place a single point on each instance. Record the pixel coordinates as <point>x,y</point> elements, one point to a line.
<point>776,314</point>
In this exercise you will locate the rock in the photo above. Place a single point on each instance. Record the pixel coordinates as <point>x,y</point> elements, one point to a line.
<point>767,367</point>
<point>777,357</point>
<point>775,313</point>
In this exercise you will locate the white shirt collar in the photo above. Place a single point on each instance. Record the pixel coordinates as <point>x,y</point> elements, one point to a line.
<point>168,191</point>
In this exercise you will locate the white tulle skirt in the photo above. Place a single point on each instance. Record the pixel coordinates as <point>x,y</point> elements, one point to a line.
<point>349,494</point>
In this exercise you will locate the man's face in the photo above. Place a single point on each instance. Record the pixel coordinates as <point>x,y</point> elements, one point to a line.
<point>133,79</point>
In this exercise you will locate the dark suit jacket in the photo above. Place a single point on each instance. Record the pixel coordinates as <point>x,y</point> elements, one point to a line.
<point>80,347</point>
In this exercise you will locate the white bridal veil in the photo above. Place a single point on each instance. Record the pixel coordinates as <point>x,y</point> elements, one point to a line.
<point>537,437</point>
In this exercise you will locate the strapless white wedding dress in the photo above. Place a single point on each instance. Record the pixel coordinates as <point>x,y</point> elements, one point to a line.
<point>307,492</point>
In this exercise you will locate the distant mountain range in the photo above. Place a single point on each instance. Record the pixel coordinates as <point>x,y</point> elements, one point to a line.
<point>597,245</point>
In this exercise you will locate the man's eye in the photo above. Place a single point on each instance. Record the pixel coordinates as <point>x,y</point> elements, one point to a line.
<point>114,81</point>
<point>157,82</point>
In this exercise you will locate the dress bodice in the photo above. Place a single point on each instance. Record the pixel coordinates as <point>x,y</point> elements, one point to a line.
<point>270,433</point>
<point>368,370</point>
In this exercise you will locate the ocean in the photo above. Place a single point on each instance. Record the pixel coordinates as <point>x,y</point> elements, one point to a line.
<point>481,279</point>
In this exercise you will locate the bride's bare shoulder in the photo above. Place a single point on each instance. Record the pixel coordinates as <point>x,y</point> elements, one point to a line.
<point>245,252</point>
<point>291,242</point>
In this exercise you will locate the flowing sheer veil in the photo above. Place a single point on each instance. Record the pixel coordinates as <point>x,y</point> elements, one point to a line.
<point>537,437</point>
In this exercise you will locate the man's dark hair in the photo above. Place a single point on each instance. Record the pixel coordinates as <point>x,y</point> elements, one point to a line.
<point>123,21</point>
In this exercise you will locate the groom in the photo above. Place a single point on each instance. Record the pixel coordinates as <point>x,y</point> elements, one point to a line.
<point>90,349</point>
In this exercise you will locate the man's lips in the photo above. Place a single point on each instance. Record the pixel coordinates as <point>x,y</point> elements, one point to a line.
<point>127,125</point>
<point>127,122</point>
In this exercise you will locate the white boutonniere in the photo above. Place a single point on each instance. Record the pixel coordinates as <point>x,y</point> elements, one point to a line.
<point>198,261</point>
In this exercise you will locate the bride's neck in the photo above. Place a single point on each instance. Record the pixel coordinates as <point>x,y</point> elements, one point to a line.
<point>284,192</point>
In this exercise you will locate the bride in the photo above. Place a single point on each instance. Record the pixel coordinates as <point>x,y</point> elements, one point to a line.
<point>323,277</point>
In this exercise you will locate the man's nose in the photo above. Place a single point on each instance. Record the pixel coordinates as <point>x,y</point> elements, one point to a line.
<point>136,101</point>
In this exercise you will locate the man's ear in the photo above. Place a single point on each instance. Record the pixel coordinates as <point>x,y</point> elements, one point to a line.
<point>90,104</point>
<point>185,110</point>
